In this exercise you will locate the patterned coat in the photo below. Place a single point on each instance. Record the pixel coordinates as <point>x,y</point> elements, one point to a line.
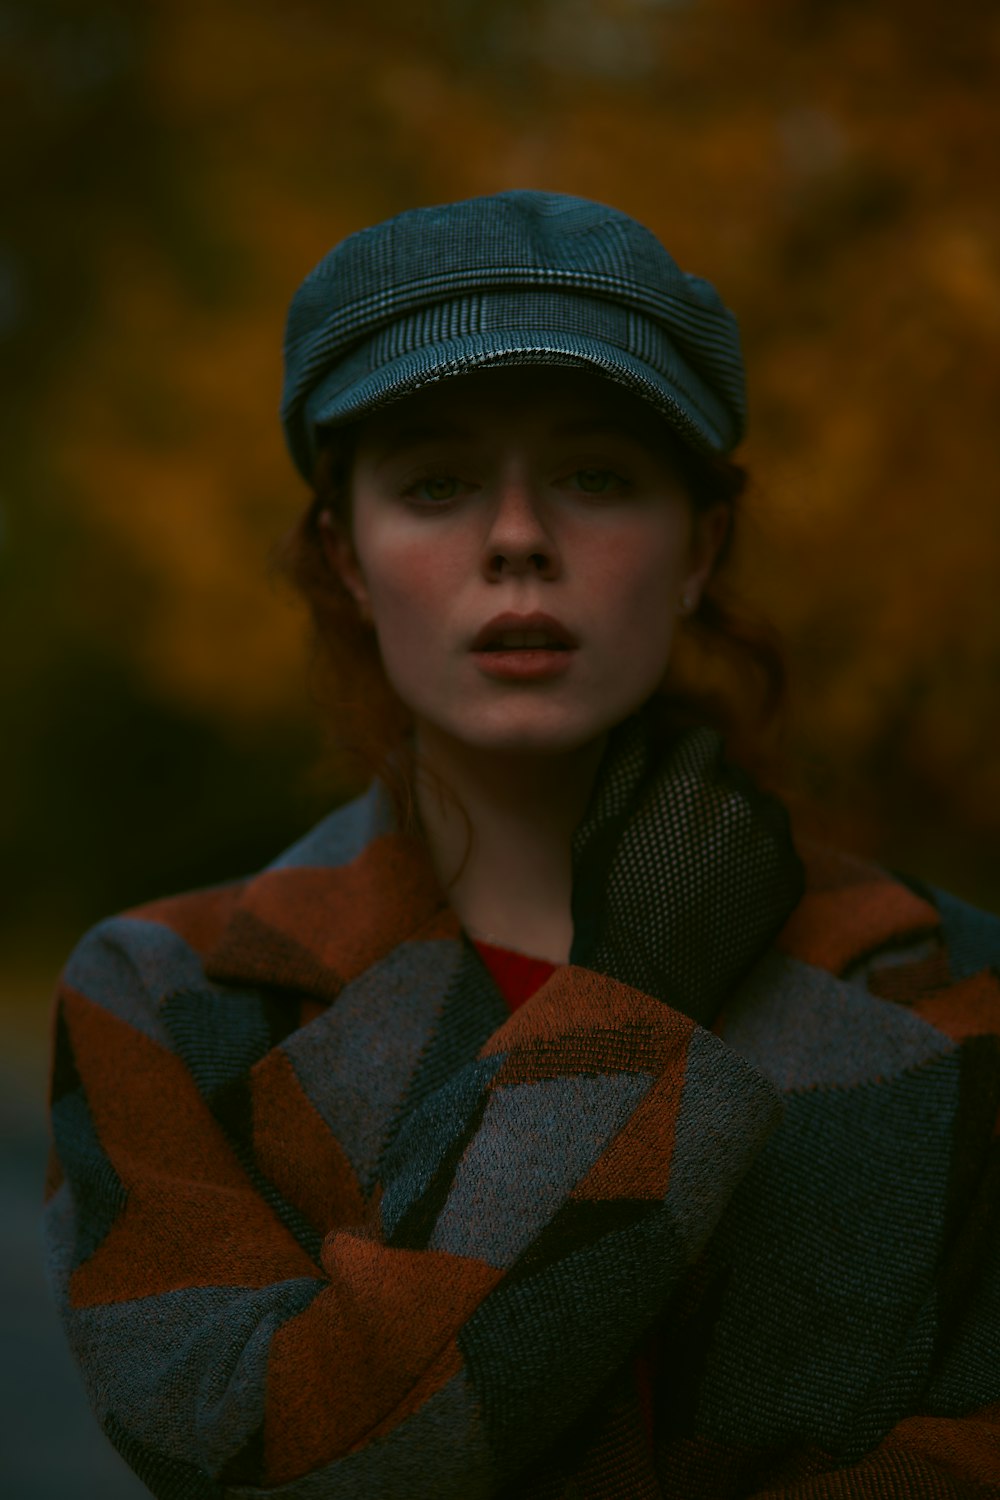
<point>325,1220</point>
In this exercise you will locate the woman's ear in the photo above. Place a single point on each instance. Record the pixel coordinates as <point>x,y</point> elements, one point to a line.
<point>342,560</point>
<point>708,538</point>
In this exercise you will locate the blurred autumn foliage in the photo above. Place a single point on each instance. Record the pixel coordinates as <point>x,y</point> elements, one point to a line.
<point>172,169</point>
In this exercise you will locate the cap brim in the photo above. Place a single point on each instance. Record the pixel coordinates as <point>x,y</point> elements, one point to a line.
<point>675,399</point>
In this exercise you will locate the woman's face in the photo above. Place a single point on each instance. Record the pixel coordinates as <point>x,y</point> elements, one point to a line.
<point>534,489</point>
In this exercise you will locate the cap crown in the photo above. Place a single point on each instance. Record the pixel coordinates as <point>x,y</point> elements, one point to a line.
<point>519,241</point>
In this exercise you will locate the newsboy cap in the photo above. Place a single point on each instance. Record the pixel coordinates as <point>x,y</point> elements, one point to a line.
<point>514,278</point>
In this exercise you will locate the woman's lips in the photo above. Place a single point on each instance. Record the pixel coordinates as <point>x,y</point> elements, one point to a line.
<point>527,663</point>
<point>536,623</point>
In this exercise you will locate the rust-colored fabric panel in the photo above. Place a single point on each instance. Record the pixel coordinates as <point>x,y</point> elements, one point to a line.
<point>577,999</point>
<point>832,869</point>
<point>639,1048</point>
<point>396,1311</point>
<point>191,1216</point>
<point>905,983</point>
<point>442,923</point>
<point>253,953</point>
<point>637,1162</point>
<point>199,917</point>
<point>310,1009</point>
<point>145,1105</point>
<point>294,1148</point>
<point>174,1234</point>
<point>970,1007</point>
<point>969,1449</point>
<point>341,920</point>
<point>835,928</point>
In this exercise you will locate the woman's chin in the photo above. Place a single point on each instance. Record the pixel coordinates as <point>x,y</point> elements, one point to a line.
<point>522,730</point>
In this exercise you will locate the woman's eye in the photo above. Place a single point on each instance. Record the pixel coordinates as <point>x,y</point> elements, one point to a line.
<point>435,487</point>
<point>594,481</point>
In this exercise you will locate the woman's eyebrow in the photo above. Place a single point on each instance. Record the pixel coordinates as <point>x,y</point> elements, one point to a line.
<point>402,439</point>
<point>600,427</point>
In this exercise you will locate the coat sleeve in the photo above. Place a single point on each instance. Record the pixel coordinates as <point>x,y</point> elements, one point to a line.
<point>947,1447</point>
<point>941,1392</point>
<point>533,1215</point>
<point>921,1458</point>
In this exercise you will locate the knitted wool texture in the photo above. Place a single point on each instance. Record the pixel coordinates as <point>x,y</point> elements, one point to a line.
<point>325,1220</point>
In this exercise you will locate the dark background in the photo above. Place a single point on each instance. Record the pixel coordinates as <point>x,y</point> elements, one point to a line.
<point>171,171</point>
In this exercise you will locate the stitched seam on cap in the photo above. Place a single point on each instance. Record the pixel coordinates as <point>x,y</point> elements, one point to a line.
<point>415,292</point>
<point>503,356</point>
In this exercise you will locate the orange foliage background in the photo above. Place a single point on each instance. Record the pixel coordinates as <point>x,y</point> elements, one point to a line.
<point>172,168</point>
<point>179,166</point>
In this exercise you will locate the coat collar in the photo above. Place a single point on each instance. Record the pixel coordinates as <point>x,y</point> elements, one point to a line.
<point>683,873</point>
<point>333,904</point>
<point>356,888</point>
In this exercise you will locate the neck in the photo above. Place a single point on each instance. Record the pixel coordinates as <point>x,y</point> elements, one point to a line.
<point>515,885</point>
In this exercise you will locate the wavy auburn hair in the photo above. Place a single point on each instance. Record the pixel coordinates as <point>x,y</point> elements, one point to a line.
<point>727,668</point>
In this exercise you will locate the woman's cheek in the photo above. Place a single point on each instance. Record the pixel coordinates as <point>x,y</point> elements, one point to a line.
<point>402,582</point>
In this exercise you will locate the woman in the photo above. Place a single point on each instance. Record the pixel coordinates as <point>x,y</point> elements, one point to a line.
<point>544,1123</point>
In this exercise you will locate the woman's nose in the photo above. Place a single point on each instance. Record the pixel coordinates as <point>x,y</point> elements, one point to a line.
<point>519,537</point>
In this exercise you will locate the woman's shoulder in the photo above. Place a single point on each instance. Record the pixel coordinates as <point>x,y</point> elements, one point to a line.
<point>199,937</point>
<point>129,964</point>
<point>905,939</point>
<point>851,890</point>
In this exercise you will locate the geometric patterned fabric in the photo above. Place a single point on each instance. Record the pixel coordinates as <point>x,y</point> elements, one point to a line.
<point>327,1218</point>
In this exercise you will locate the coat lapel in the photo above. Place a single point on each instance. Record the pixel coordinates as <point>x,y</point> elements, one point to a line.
<point>333,905</point>
<point>683,873</point>
<point>354,914</point>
